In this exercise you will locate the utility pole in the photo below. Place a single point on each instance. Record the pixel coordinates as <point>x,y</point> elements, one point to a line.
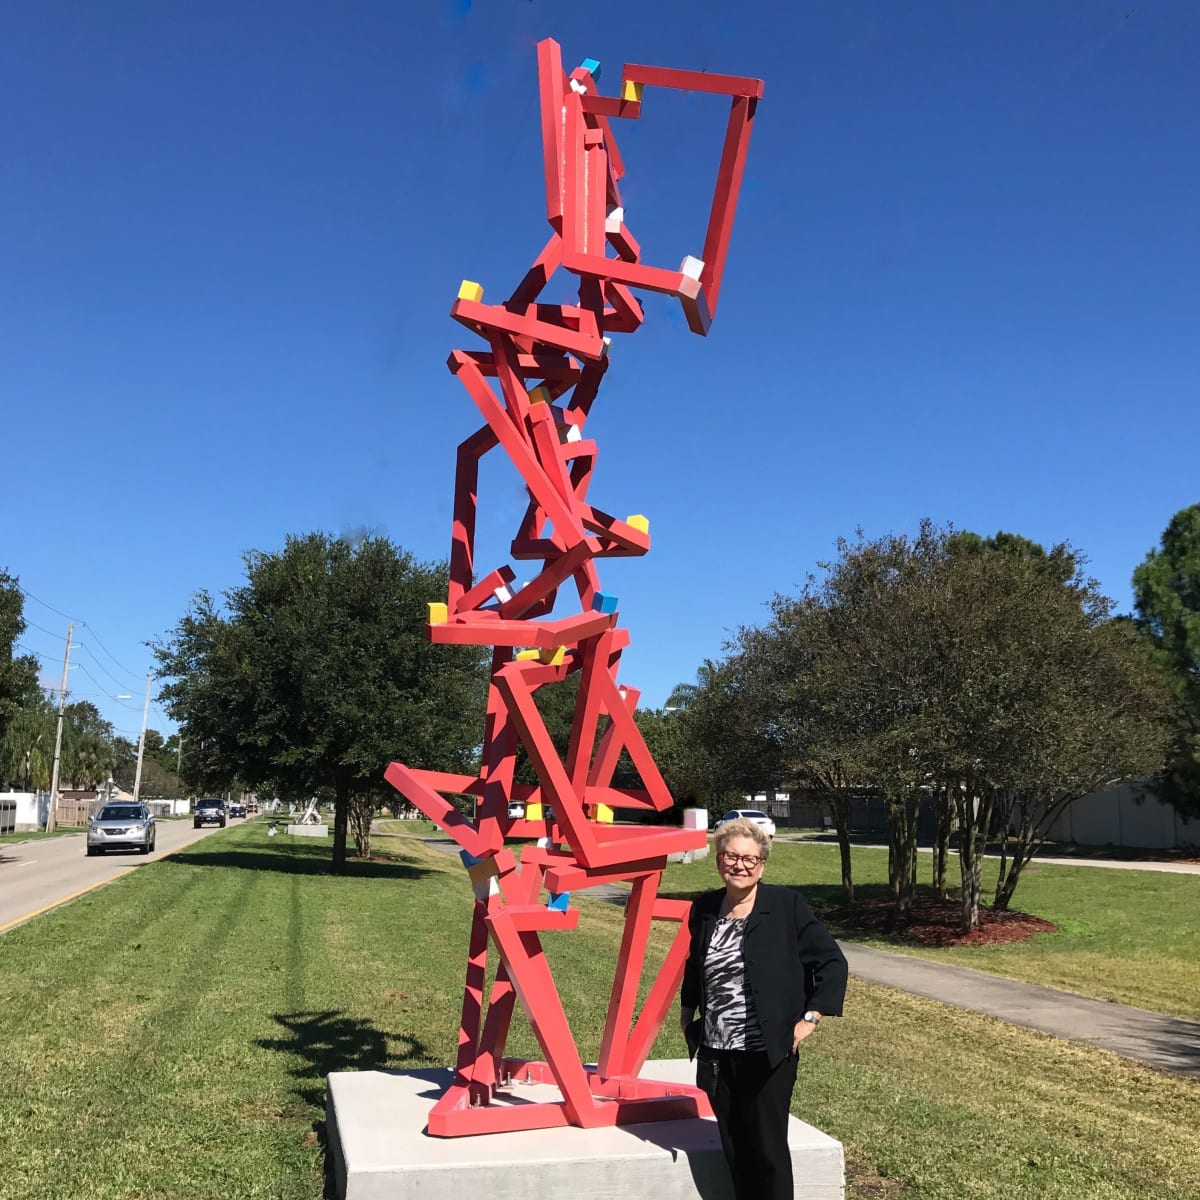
<point>52,808</point>
<point>137,779</point>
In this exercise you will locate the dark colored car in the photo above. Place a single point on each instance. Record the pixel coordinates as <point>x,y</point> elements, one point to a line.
<point>237,809</point>
<point>209,812</point>
<point>121,826</point>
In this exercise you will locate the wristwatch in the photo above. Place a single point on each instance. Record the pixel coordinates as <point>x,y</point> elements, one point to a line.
<point>813,1018</point>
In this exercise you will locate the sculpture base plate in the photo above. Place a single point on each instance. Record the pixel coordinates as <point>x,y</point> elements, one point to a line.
<point>308,830</point>
<point>378,1148</point>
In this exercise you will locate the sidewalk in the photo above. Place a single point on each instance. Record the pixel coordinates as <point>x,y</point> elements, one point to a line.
<point>1169,1043</point>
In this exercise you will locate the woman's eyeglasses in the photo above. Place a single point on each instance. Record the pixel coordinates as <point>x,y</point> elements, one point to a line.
<point>741,860</point>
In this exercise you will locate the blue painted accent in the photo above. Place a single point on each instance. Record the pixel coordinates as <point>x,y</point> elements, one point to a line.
<point>592,66</point>
<point>559,901</point>
<point>604,602</point>
<point>468,859</point>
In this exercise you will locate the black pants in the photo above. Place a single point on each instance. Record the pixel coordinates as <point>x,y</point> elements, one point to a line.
<point>751,1102</point>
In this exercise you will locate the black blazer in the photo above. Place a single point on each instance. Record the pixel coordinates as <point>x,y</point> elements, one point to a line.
<point>792,963</point>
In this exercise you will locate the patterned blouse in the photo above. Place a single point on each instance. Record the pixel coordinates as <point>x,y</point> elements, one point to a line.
<point>730,1022</point>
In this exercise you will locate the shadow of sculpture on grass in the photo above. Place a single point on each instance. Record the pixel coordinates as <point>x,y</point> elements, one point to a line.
<point>332,1040</point>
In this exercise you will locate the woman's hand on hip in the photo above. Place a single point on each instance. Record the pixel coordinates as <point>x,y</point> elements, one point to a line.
<point>802,1030</point>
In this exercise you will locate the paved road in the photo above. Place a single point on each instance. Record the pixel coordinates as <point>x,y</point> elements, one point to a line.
<point>40,874</point>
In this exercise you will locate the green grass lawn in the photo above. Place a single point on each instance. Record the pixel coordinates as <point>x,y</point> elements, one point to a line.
<point>390,827</point>
<point>33,835</point>
<point>1128,936</point>
<point>169,1035</point>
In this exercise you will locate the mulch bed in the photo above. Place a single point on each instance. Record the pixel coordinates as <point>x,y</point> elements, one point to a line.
<point>933,922</point>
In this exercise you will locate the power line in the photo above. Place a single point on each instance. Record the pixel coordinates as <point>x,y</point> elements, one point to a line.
<point>121,665</point>
<point>57,612</point>
<point>42,629</point>
<point>83,624</point>
<point>101,666</point>
<point>100,685</point>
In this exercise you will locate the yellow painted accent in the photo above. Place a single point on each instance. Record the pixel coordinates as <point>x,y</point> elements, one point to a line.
<point>553,658</point>
<point>480,871</point>
<point>630,90</point>
<point>540,395</point>
<point>439,614</point>
<point>468,290</point>
<point>604,814</point>
<point>638,522</point>
<point>528,655</point>
<point>533,812</point>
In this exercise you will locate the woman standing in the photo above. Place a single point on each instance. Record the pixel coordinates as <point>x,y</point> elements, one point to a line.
<point>763,972</point>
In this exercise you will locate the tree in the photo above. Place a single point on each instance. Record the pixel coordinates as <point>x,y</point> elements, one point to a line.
<point>781,718</point>
<point>87,746</point>
<point>18,676</point>
<point>318,673</point>
<point>981,674</point>
<point>1048,699</point>
<point>27,747</point>
<point>1166,589</point>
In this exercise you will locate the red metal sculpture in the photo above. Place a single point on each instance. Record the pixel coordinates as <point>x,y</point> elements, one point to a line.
<point>535,385</point>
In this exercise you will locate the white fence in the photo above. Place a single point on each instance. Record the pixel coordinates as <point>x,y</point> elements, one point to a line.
<point>31,809</point>
<point>1125,814</point>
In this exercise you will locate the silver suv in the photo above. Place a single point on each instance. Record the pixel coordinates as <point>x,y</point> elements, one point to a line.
<point>121,825</point>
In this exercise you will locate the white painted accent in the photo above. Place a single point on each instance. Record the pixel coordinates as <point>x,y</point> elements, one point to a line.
<point>691,267</point>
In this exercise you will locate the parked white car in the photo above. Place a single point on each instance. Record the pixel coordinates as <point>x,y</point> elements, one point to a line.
<point>749,814</point>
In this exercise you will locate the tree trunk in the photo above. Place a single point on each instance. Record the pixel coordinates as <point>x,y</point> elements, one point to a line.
<point>1027,843</point>
<point>839,808</point>
<point>975,815</point>
<point>902,854</point>
<point>944,808</point>
<point>362,813</point>
<point>341,812</point>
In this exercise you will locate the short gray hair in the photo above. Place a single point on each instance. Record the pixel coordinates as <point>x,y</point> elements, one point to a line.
<point>741,827</point>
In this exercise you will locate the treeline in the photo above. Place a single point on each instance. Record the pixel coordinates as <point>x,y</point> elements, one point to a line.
<point>986,677</point>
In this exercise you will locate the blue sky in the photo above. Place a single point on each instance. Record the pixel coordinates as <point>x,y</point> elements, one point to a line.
<point>963,284</point>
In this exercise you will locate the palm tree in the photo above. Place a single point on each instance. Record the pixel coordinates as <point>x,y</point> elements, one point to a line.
<point>683,695</point>
<point>27,748</point>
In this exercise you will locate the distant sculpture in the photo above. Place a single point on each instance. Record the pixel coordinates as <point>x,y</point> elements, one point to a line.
<point>547,362</point>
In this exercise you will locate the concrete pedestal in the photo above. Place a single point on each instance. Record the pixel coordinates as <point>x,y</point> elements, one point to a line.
<point>379,1150</point>
<point>308,830</point>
